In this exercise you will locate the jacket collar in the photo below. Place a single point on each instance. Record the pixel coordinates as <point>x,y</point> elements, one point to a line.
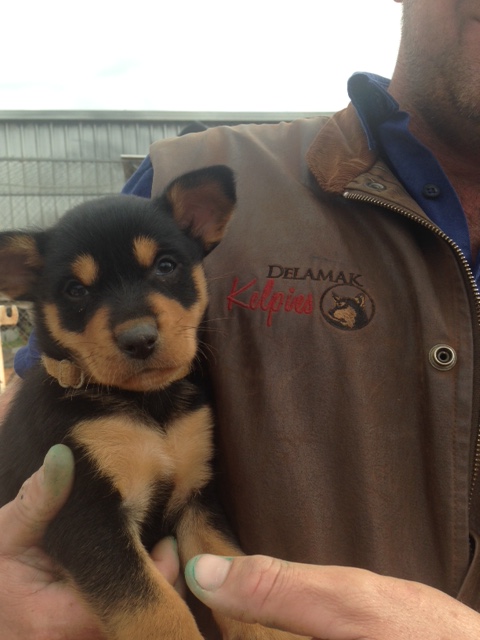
<point>340,152</point>
<point>341,161</point>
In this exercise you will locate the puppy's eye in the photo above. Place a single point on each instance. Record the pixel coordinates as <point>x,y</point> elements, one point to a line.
<point>76,290</point>
<point>165,266</point>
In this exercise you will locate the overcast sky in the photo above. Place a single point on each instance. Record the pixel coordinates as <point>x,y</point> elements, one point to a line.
<point>182,55</point>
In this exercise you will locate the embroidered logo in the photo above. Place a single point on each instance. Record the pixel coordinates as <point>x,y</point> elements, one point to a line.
<point>347,307</point>
<point>344,304</point>
<point>268,300</point>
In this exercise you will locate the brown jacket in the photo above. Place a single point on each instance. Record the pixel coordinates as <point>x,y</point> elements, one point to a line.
<point>344,437</point>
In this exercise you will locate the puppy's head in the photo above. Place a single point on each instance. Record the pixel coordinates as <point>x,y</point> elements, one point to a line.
<point>117,283</point>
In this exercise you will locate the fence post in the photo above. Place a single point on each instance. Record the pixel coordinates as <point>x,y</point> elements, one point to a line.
<point>8,318</point>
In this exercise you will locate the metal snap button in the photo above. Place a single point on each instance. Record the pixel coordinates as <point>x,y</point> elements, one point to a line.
<point>377,186</point>
<point>442,357</point>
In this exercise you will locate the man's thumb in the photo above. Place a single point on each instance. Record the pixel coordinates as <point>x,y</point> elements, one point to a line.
<point>24,520</point>
<point>247,588</point>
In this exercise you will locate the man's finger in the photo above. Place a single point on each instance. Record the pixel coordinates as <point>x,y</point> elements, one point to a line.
<point>165,556</point>
<point>24,520</point>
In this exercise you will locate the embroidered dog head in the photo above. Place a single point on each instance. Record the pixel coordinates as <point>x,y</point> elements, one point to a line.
<point>349,312</point>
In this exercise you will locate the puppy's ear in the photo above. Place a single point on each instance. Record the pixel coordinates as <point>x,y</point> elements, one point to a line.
<point>20,263</point>
<point>202,202</point>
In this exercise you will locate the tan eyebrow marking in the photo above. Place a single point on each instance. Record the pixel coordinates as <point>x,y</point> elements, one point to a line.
<point>86,269</point>
<point>145,250</point>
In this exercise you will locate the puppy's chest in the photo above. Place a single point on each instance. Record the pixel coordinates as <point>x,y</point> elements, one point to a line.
<point>139,458</point>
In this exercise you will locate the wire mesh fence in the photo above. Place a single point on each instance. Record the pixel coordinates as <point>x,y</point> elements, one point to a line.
<point>37,191</point>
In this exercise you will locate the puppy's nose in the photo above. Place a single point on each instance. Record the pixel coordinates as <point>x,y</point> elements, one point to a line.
<point>138,341</point>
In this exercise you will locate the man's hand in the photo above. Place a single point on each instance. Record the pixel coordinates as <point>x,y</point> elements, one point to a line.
<point>34,600</point>
<point>337,603</point>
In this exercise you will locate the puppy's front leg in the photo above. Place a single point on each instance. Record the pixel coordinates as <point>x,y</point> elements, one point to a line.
<point>196,534</point>
<point>95,539</point>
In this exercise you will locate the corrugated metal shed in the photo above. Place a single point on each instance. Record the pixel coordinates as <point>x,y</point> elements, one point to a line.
<point>51,161</point>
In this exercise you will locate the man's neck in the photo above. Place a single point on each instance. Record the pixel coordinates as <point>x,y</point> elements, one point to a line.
<point>454,142</point>
<point>460,160</point>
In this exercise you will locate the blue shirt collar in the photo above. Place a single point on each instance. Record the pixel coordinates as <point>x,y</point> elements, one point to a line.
<point>373,104</point>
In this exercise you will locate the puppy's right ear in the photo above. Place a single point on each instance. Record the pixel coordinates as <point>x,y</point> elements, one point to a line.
<point>20,263</point>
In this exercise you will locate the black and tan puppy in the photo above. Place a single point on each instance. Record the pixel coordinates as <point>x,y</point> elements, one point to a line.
<point>119,293</point>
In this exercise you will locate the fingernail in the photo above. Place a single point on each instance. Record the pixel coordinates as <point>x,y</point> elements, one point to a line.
<point>208,572</point>
<point>57,468</point>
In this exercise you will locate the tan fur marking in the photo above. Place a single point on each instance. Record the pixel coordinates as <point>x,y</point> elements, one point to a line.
<point>189,443</point>
<point>145,251</point>
<point>201,285</point>
<point>94,349</point>
<point>85,268</point>
<point>135,456</point>
<point>178,325</point>
<point>196,535</point>
<point>131,454</point>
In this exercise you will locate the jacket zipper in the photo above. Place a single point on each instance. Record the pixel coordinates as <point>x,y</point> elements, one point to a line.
<point>349,195</point>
